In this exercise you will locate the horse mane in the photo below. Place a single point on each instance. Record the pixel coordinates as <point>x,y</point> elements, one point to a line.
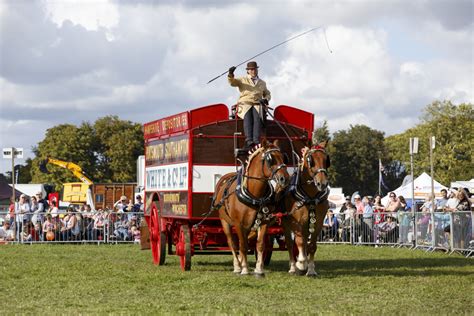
<point>253,152</point>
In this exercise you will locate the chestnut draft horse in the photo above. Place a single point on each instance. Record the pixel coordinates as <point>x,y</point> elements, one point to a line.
<point>246,200</point>
<point>306,203</point>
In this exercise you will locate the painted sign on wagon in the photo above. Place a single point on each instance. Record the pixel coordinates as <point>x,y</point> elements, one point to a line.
<point>172,177</point>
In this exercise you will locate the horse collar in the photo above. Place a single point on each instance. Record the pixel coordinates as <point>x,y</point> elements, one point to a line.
<point>245,197</point>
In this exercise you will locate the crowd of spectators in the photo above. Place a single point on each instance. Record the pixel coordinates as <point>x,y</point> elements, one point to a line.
<point>370,221</point>
<point>33,219</point>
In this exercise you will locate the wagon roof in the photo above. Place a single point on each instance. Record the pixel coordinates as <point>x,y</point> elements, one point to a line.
<point>220,112</point>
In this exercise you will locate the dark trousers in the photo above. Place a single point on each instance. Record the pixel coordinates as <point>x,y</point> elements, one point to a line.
<point>252,126</point>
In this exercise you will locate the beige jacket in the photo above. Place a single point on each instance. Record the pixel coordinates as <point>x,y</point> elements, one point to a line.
<point>249,93</point>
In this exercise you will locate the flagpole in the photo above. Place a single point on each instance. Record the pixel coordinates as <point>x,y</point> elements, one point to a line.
<point>380,177</point>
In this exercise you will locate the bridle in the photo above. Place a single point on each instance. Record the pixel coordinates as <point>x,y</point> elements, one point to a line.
<point>268,159</point>
<point>309,161</point>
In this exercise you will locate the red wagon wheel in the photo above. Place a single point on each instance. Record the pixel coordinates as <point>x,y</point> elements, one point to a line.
<point>183,248</point>
<point>157,237</point>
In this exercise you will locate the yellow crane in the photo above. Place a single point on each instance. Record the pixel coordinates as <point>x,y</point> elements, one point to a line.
<point>75,169</point>
<point>73,192</point>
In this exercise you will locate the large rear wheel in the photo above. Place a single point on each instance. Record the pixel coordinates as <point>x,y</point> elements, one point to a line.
<point>157,237</point>
<point>183,248</point>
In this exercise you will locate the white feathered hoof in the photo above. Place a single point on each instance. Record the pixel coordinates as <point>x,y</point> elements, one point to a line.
<point>259,275</point>
<point>311,274</point>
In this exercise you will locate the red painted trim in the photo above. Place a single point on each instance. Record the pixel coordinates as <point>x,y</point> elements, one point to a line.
<point>190,177</point>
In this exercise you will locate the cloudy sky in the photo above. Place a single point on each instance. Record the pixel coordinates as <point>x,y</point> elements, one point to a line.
<point>68,61</point>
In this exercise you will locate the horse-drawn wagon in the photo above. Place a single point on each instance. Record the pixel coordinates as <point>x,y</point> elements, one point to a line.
<point>185,156</point>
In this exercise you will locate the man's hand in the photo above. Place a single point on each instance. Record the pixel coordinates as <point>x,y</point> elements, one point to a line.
<point>231,71</point>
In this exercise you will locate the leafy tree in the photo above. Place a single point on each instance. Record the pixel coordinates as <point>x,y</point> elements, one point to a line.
<point>106,151</point>
<point>453,128</point>
<point>68,143</point>
<point>120,144</point>
<point>322,133</point>
<point>355,159</point>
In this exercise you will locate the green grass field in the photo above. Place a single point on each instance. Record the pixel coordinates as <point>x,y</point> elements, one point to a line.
<point>122,279</point>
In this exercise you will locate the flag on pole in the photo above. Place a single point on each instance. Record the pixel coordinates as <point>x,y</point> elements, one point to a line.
<point>382,171</point>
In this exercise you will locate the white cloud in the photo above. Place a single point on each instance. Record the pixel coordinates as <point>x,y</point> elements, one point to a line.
<point>68,61</point>
<point>91,14</point>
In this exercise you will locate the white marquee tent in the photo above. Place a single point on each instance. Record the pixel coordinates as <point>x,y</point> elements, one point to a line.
<point>464,184</point>
<point>422,189</point>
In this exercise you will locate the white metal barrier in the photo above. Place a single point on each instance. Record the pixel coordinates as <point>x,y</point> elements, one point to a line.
<point>72,227</point>
<point>429,231</point>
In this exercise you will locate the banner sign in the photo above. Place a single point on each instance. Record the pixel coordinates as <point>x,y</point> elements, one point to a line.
<point>170,150</point>
<point>175,203</point>
<point>168,125</point>
<point>172,177</point>
<point>8,152</point>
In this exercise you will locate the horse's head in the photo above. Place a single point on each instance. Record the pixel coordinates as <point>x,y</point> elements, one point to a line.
<point>315,163</point>
<point>272,166</point>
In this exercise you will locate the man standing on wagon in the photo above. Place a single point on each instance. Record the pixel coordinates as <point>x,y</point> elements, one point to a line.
<point>254,96</point>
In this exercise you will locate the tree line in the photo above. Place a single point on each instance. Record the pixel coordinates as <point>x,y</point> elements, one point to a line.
<point>107,151</point>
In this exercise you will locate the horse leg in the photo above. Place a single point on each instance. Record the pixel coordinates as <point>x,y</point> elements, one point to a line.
<point>243,245</point>
<point>289,246</point>
<point>260,248</point>
<point>228,233</point>
<point>312,247</point>
<point>301,262</point>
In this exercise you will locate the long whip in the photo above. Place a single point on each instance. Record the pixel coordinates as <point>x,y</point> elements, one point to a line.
<point>269,49</point>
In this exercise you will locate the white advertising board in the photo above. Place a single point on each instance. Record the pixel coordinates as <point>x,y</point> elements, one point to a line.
<point>173,177</point>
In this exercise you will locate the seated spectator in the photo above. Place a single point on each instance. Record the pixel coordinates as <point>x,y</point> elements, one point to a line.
<point>330,226</point>
<point>121,227</point>
<point>135,233</point>
<point>388,231</point>
<point>49,228</point>
<point>6,233</point>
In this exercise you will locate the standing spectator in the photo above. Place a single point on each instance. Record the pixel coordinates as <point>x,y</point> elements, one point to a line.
<point>359,205</point>
<point>349,214</point>
<point>21,214</point>
<point>368,212</point>
<point>122,204</point>
<point>11,211</point>
<point>87,223</point>
<point>138,206</point>
<point>34,210</point>
<point>403,203</point>
<point>443,201</point>
<point>393,203</point>
<point>404,217</point>
<point>43,204</point>
<point>53,210</point>
<point>379,210</point>
<point>99,224</point>
<point>452,202</point>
